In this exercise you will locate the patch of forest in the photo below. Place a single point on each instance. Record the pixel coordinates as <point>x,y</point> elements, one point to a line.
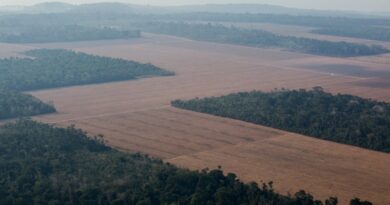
<point>366,32</point>
<point>16,104</point>
<point>41,164</point>
<point>340,118</point>
<point>260,38</point>
<point>285,19</point>
<point>366,28</point>
<point>57,68</point>
<point>62,33</point>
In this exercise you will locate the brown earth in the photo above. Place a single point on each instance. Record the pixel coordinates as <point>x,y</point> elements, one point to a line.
<point>12,50</point>
<point>135,115</point>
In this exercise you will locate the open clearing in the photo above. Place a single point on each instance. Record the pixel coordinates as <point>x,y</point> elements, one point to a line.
<point>135,115</point>
<point>12,50</point>
<point>255,153</point>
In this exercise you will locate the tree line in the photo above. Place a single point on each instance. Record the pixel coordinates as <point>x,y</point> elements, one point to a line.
<point>45,68</point>
<point>16,104</point>
<point>64,33</point>
<point>366,28</point>
<point>340,118</point>
<point>42,164</point>
<point>284,19</point>
<point>57,68</point>
<point>95,14</point>
<point>259,38</point>
<point>368,32</point>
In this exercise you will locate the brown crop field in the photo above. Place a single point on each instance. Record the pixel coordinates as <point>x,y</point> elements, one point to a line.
<point>136,116</point>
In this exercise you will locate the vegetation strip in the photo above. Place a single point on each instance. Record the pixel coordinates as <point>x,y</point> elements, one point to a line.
<point>65,33</point>
<point>15,104</point>
<point>59,68</point>
<point>260,38</point>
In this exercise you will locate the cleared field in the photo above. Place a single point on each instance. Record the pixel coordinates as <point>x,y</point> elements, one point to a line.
<point>12,50</point>
<point>375,83</point>
<point>194,140</point>
<point>136,116</point>
<point>227,68</point>
<point>294,162</point>
<point>168,132</point>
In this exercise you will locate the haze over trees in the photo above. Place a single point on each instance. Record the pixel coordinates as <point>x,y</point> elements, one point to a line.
<point>260,38</point>
<point>373,32</point>
<point>41,164</point>
<point>113,21</point>
<point>340,118</point>
<point>65,33</point>
<point>58,68</point>
<point>366,28</point>
<point>15,104</point>
<point>284,19</point>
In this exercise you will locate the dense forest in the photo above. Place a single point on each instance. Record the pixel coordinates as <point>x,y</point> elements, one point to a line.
<point>64,33</point>
<point>15,104</point>
<point>339,118</point>
<point>57,68</point>
<point>260,38</point>
<point>41,164</point>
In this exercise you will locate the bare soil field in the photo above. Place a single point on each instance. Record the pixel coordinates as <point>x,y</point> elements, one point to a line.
<point>12,50</point>
<point>375,83</point>
<point>168,132</point>
<point>350,70</point>
<point>296,162</point>
<point>255,153</point>
<point>135,116</point>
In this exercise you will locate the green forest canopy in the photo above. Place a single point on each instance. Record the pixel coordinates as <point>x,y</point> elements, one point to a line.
<point>41,164</point>
<point>58,68</point>
<point>340,118</point>
<point>16,104</point>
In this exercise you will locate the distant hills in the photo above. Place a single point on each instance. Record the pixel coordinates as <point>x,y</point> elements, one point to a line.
<point>58,7</point>
<point>54,7</point>
<point>49,7</point>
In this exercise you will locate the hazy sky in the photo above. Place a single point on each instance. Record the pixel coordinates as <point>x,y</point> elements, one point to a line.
<point>363,5</point>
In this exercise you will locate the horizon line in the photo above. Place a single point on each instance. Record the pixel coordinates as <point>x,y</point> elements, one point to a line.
<point>195,4</point>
